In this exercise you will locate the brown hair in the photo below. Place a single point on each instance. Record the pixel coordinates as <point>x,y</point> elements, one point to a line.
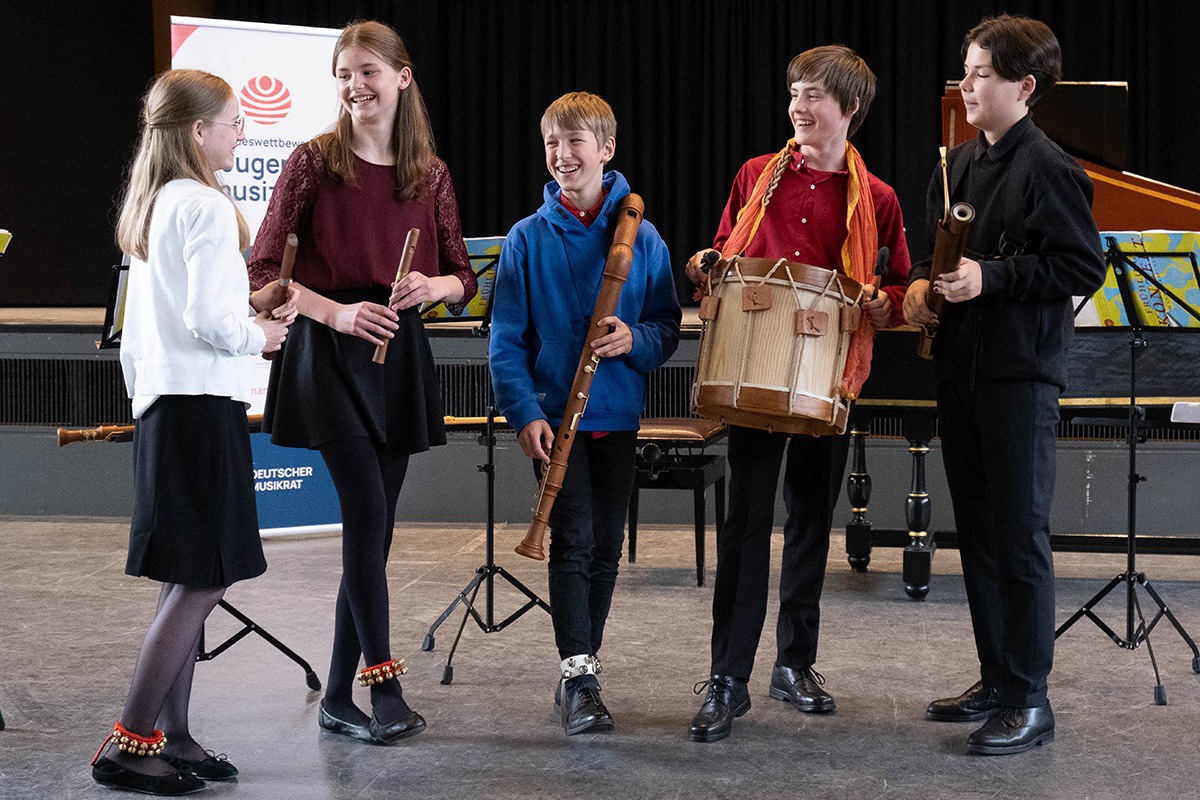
<point>582,111</point>
<point>1019,46</point>
<point>843,73</point>
<point>167,151</point>
<point>411,131</point>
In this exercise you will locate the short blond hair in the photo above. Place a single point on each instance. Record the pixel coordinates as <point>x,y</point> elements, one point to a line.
<point>582,111</point>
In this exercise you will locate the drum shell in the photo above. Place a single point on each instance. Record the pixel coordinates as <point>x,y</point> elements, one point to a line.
<point>755,369</point>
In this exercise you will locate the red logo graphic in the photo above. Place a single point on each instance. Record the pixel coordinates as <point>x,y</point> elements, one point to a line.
<point>266,100</point>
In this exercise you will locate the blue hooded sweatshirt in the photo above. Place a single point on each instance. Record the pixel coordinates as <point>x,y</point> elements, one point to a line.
<point>546,287</point>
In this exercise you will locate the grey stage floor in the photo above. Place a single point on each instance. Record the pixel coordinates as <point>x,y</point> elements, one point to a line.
<point>72,623</point>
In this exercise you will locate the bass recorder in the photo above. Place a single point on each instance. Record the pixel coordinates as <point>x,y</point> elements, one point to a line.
<point>616,270</point>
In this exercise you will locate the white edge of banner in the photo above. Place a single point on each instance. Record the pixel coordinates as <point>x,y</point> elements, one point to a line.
<point>300,530</point>
<point>205,22</point>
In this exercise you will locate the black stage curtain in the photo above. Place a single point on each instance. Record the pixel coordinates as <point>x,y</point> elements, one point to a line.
<point>72,82</point>
<point>698,88</point>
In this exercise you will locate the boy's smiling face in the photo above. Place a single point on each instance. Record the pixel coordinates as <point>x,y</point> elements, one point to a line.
<point>576,160</point>
<point>817,117</point>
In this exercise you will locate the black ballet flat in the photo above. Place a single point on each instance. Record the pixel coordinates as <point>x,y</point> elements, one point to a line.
<point>332,724</point>
<point>410,724</point>
<point>107,772</point>
<point>212,768</point>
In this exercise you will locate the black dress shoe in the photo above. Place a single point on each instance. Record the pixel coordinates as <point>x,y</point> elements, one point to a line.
<point>801,688</point>
<point>332,724</point>
<point>1013,730</point>
<point>409,724</point>
<point>727,699</point>
<point>107,772</point>
<point>211,768</point>
<point>582,709</point>
<point>975,703</point>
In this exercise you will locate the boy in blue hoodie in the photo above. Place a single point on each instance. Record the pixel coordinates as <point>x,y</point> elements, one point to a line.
<point>546,288</point>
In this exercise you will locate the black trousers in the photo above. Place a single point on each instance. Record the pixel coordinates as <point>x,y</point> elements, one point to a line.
<point>998,443</point>
<point>812,483</point>
<point>587,532</point>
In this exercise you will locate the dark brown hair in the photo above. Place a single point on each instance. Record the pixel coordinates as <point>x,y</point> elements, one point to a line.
<point>1019,46</point>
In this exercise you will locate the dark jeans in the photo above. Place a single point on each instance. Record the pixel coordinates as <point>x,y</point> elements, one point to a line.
<point>587,532</point>
<point>812,483</point>
<point>998,443</point>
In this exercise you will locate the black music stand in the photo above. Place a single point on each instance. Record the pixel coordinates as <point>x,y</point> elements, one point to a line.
<point>487,572</point>
<point>250,626</point>
<point>1135,635</point>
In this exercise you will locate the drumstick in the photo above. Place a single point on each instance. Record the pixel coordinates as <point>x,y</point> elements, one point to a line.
<point>881,265</point>
<point>410,248</point>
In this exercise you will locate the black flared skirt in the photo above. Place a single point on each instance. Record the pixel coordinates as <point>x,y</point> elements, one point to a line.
<point>324,386</point>
<point>194,518</point>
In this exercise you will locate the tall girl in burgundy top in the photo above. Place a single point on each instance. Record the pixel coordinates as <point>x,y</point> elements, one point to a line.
<point>351,195</point>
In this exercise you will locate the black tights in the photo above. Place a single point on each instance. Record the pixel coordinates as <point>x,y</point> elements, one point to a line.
<point>162,680</point>
<point>368,485</point>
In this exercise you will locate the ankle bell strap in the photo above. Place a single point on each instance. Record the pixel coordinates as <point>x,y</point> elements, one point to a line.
<point>129,742</point>
<point>382,672</point>
<point>584,664</point>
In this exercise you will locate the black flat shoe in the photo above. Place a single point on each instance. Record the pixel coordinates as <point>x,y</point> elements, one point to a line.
<point>212,768</point>
<point>975,703</point>
<point>107,772</point>
<point>1013,730</point>
<point>330,723</point>
<point>801,688</point>
<point>727,699</point>
<point>410,724</point>
<point>582,709</point>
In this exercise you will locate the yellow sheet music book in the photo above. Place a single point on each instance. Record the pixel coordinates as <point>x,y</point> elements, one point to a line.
<point>1178,271</point>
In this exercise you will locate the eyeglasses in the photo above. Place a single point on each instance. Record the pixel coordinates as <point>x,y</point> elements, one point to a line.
<point>239,124</point>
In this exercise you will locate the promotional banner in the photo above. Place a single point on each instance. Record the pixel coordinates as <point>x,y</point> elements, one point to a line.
<point>283,78</point>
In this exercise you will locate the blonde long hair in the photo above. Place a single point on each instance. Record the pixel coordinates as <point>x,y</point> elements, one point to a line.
<point>167,151</point>
<point>412,134</point>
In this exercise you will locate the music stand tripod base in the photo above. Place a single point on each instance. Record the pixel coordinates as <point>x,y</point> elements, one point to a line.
<point>1139,633</point>
<point>486,573</point>
<point>250,626</point>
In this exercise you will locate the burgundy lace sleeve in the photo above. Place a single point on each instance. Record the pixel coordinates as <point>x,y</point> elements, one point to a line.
<point>291,202</point>
<point>452,251</point>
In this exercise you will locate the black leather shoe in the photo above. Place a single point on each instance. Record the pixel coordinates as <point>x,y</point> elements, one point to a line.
<point>975,703</point>
<point>801,688</point>
<point>582,709</point>
<point>409,724</point>
<point>107,772</point>
<point>727,699</point>
<point>211,768</point>
<point>1013,730</point>
<point>332,724</point>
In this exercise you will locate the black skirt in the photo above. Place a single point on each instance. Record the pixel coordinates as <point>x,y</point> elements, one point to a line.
<point>194,518</point>
<point>324,386</point>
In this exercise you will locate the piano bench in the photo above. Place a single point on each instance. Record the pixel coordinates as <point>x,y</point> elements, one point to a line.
<point>670,455</point>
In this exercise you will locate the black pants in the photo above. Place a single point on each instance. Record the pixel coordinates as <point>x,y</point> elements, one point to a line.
<point>587,531</point>
<point>812,483</point>
<point>998,442</point>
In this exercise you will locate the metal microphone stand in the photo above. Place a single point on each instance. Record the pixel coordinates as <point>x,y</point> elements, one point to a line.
<point>1139,633</point>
